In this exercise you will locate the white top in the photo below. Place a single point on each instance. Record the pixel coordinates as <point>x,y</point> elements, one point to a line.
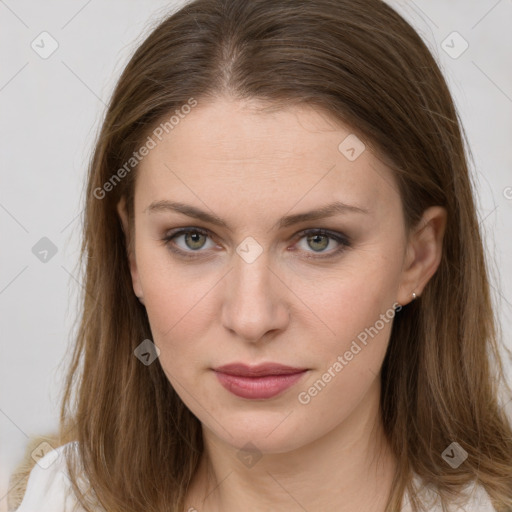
<point>49,490</point>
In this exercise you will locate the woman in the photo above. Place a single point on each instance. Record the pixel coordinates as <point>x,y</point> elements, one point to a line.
<point>287,304</point>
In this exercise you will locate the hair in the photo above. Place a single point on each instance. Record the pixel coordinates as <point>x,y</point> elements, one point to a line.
<point>362,64</point>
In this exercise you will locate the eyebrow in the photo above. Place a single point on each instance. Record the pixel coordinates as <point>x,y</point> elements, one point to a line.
<point>328,210</point>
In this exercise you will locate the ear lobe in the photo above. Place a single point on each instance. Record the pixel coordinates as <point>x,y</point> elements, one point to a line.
<point>130,247</point>
<point>424,253</point>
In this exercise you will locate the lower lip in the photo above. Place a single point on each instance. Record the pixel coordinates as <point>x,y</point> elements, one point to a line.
<point>258,387</point>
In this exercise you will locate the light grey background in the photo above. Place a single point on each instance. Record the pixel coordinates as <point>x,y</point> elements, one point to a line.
<point>51,110</point>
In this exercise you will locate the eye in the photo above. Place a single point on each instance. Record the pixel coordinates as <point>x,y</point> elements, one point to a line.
<point>320,239</point>
<point>194,239</point>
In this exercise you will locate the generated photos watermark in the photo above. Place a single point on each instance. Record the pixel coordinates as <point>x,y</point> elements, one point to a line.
<point>150,143</point>
<point>334,369</point>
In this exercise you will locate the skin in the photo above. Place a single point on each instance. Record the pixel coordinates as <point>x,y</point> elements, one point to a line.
<point>251,168</point>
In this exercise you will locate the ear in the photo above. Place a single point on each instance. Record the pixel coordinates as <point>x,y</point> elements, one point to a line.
<point>423,254</point>
<point>130,249</point>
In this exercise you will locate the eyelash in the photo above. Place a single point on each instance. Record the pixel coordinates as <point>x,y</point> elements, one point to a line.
<point>338,237</point>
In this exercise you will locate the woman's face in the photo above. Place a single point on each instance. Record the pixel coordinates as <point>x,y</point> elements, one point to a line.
<point>261,286</point>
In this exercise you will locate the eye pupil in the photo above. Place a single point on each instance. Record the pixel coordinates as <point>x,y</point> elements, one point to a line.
<point>194,234</point>
<point>314,239</point>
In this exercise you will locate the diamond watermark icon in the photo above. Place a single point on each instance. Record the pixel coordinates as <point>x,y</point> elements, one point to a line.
<point>41,452</point>
<point>454,45</point>
<point>249,454</point>
<point>455,455</point>
<point>147,352</point>
<point>44,45</point>
<point>249,250</point>
<point>44,249</point>
<point>351,147</point>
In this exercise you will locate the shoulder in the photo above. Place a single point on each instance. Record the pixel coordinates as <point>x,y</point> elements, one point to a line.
<point>473,498</point>
<point>48,487</point>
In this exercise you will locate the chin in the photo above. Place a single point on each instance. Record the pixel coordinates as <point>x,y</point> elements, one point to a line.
<point>265,432</point>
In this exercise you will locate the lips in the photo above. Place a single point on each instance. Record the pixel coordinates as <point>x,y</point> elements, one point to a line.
<point>261,370</point>
<point>258,382</point>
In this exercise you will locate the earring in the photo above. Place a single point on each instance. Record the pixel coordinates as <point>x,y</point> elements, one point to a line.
<point>414,296</point>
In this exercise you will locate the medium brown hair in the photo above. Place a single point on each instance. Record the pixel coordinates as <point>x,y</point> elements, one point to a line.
<point>363,64</point>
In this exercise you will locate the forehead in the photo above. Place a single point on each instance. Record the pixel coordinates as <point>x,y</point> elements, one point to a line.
<point>234,150</point>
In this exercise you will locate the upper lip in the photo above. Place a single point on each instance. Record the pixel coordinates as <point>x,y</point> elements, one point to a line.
<point>243,370</point>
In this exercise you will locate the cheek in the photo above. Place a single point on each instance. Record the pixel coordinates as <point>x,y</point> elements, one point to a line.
<point>346,301</point>
<point>359,310</point>
<point>358,307</point>
<point>173,293</point>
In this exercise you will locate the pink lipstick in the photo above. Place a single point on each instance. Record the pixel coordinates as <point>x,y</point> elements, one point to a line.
<point>258,382</point>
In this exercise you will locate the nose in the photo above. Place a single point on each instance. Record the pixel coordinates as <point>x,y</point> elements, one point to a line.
<point>254,305</point>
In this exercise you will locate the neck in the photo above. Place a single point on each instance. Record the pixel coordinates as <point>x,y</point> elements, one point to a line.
<point>349,469</point>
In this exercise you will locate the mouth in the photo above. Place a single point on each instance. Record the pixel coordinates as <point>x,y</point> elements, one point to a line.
<point>258,382</point>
